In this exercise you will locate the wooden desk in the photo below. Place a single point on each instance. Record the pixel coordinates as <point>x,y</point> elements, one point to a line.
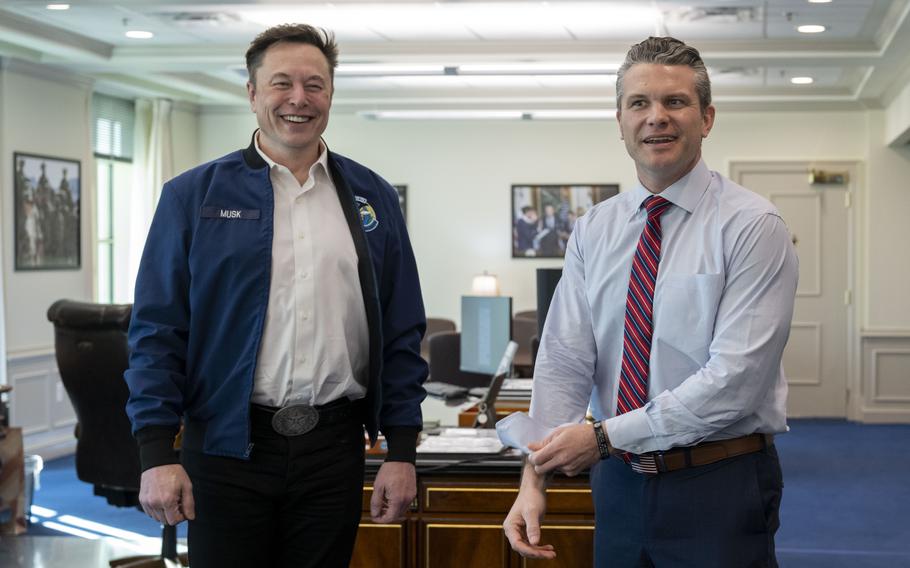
<point>503,409</point>
<point>12,482</point>
<point>456,520</point>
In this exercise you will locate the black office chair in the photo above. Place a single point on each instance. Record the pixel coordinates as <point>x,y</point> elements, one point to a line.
<point>434,326</point>
<point>445,362</point>
<point>92,354</point>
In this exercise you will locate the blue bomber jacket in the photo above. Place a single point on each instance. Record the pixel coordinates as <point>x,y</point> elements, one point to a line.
<point>201,298</point>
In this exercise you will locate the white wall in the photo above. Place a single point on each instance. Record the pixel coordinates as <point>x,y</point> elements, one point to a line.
<point>48,112</point>
<point>47,115</point>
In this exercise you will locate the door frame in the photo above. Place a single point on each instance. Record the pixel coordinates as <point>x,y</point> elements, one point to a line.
<point>856,282</point>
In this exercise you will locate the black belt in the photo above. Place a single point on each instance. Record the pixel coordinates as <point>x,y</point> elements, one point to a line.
<point>298,419</point>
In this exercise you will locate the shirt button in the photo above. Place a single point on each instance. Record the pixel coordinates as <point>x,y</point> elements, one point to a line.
<point>305,275</point>
<point>306,317</point>
<point>301,236</point>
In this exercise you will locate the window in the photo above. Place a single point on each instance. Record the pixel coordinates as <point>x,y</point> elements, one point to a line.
<point>112,142</point>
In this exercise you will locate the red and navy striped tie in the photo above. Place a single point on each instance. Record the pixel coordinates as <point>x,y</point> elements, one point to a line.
<point>636,346</point>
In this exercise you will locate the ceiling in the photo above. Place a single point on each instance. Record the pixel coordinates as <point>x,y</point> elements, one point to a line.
<point>513,58</point>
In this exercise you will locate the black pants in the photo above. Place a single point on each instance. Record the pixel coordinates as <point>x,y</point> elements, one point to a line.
<point>297,502</point>
<point>720,515</point>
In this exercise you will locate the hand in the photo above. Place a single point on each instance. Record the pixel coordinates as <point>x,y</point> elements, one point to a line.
<point>166,494</point>
<point>522,524</point>
<point>569,449</point>
<point>393,491</point>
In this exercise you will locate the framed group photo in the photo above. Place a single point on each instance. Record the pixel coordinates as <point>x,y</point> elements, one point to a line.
<point>48,197</point>
<point>543,216</point>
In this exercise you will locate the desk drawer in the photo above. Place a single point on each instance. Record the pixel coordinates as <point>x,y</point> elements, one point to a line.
<point>463,498</point>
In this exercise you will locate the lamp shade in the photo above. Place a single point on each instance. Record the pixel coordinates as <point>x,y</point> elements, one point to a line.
<point>485,285</point>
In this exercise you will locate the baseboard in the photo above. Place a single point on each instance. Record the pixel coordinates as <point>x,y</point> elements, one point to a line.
<point>52,444</point>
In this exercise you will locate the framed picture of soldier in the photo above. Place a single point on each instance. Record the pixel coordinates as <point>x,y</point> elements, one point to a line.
<point>48,212</point>
<point>543,216</point>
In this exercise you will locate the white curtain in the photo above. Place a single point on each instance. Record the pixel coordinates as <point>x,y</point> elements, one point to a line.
<point>153,164</point>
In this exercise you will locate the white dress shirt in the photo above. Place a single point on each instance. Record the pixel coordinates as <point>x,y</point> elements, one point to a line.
<point>315,346</point>
<point>722,309</point>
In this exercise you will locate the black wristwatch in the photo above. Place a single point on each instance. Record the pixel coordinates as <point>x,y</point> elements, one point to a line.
<point>603,445</point>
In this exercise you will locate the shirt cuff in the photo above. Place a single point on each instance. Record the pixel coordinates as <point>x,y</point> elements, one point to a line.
<point>402,443</point>
<point>156,446</point>
<point>630,432</point>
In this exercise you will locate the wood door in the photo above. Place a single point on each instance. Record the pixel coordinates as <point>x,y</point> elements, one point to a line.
<point>817,214</point>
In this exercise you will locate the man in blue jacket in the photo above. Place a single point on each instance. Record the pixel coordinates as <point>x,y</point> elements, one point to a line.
<point>277,314</point>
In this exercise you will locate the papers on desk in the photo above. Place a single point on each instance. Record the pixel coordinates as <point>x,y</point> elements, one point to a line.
<point>462,441</point>
<point>512,389</point>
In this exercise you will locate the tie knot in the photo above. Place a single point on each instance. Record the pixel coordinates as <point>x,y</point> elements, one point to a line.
<point>656,205</point>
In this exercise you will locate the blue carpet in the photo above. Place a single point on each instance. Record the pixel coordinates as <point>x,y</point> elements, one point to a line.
<point>64,494</point>
<point>846,496</point>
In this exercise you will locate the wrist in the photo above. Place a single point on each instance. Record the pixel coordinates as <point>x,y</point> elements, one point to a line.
<point>603,441</point>
<point>531,479</point>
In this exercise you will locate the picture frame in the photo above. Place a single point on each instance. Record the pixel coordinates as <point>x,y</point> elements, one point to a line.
<point>402,191</point>
<point>544,215</point>
<point>48,212</point>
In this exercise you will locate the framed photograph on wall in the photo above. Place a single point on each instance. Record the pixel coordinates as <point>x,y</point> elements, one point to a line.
<point>403,200</point>
<point>543,216</point>
<point>48,212</point>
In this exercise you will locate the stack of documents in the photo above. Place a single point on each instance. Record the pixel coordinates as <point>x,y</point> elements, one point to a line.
<point>462,441</point>
<point>512,389</point>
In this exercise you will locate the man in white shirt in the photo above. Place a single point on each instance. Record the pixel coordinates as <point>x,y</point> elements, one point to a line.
<point>278,314</point>
<point>670,321</point>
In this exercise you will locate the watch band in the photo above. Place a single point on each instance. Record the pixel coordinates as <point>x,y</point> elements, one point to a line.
<point>603,446</point>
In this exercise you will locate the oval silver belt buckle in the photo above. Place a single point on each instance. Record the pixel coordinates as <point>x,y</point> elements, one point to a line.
<point>295,420</point>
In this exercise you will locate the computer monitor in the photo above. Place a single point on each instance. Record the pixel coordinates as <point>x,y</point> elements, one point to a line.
<point>547,279</point>
<point>486,329</point>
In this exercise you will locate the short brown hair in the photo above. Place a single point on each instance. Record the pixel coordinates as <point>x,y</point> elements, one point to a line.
<point>667,51</point>
<point>320,38</point>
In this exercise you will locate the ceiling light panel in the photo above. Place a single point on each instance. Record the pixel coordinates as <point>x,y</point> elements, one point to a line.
<point>443,115</point>
<point>508,21</point>
<point>822,76</point>
<point>847,21</point>
<point>382,69</point>
<point>371,22</point>
<point>538,68</point>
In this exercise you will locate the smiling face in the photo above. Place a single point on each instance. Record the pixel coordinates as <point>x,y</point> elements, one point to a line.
<point>662,123</point>
<point>291,97</point>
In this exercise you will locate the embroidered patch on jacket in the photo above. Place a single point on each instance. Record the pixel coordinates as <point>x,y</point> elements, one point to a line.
<point>367,214</point>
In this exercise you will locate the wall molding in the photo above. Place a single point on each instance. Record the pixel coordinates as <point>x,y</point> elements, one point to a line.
<point>42,409</point>
<point>56,74</point>
<point>884,333</point>
<point>873,379</point>
<point>817,326</point>
<point>27,354</point>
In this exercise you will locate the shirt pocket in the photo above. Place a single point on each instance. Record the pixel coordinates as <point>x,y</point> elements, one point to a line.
<point>687,309</point>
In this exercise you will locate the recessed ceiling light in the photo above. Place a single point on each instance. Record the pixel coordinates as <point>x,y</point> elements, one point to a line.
<point>139,34</point>
<point>538,68</point>
<point>811,29</point>
<point>802,80</point>
<point>819,1</point>
<point>58,6</point>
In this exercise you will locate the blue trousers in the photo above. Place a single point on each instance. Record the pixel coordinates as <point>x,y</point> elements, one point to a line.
<point>720,515</point>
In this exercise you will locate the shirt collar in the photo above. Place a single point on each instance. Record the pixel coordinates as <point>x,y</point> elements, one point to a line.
<point>685,193</point>
<point>322,160</point>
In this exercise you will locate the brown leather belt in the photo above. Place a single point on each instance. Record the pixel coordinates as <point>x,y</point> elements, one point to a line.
<point>701,454</point>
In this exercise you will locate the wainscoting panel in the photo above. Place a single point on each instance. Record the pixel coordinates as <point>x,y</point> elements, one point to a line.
<point>39,403</point>
<point>886,377</point>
